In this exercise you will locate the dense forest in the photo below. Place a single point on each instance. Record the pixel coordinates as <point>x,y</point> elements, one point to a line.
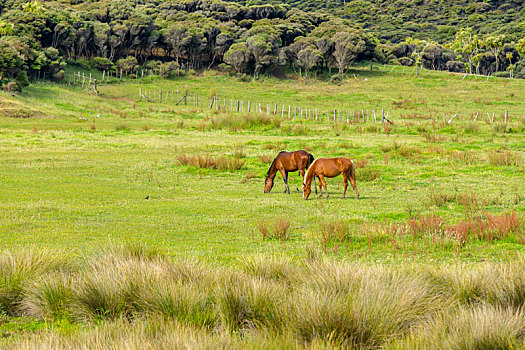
<point>170,37</point>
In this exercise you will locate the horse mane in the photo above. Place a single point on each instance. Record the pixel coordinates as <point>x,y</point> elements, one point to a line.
<point>310,160</point>
<point>309,171</point>
<point>268,173</point>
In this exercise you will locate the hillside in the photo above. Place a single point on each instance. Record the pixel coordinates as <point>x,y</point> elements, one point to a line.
<point>437,20</point>
<point>394,20</point>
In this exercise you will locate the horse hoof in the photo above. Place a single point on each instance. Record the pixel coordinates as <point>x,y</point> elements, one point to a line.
<point>342,197</point>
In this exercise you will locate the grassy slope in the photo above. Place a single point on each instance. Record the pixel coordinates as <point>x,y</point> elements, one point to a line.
<point>64,184</point>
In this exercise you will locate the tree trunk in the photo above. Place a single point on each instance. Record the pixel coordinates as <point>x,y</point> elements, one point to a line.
<point>305,76</point>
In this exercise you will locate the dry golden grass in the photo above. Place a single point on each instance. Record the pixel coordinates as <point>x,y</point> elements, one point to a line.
<point>139,297</point>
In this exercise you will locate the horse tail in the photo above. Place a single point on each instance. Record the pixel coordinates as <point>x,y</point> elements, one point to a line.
<point>352,170</point>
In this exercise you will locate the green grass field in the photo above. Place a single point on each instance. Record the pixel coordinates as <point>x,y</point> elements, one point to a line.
<point>72,179</point>
<point>79,173</point>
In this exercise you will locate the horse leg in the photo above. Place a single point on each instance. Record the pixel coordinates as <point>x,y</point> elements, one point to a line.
<point>285,177</point>
<point>302,174</point>
<point>320,187</point>
<point>352,181</point>
<point>345,184</point>
<point>323,183</point>
<point>315,186</point>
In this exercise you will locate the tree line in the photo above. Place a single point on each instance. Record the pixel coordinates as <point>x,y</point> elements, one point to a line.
<point>172,36</point>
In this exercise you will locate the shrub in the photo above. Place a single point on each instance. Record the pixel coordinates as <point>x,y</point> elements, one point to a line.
<point>101,63</point>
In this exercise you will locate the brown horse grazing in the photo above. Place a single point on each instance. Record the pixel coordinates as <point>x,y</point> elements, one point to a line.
<point>330,167</point>
<point>286,162</point>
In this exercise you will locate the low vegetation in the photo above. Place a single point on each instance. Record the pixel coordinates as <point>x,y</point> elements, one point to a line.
<point>129,292</point>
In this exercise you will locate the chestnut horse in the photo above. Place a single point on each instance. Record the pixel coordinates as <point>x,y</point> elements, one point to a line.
<point>330,167</point>
<point>287,162</point>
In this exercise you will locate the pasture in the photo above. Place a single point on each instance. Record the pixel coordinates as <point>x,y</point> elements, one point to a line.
<point>81,173</point>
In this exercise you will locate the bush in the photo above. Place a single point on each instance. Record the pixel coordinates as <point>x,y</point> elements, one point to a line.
<point>101,63</point>
<point>406,61</point>
<point>12,87</point>
<point>504,74</point>
<point>455,66</point>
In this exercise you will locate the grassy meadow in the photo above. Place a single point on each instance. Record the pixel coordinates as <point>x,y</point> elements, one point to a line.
<point>183,186</point>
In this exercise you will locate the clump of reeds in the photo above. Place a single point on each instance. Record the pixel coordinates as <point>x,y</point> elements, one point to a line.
<point>209,162</point>
<point>278,229</point>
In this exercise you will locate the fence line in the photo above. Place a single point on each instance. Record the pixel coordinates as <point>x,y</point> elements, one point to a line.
<point>286,111</point>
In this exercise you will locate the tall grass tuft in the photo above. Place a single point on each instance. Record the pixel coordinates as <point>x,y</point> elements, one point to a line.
<point>483,327</point>
<point>508,158</point>
<point>183,302</point>
<point>48,298</point>
<point>248,302</point>
<point>336,231</point>
<point>20,267</point>
<point>208,162</point>
<point>276,230</point>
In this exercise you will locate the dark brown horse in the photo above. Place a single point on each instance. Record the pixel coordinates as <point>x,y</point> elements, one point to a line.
<point>286,162</point>
<point>329,167</point>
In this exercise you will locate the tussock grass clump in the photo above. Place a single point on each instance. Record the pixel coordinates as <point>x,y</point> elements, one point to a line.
<point>266,158</point>
<point>426,225</point>
<point>248,176</point>
<point>183,302</point>
<point>337,231</point>
<point>440,199</point>
<point>276,230</point>
<point>362,163</point>
<point>141,299</point>
<point>104,291</point>
<point>466,157</point>
<point>506,158</point>
<point>122,128</point>
<point>208,162</point>
<point>367,174</point>
<point>432,137</point>
<point>380,304</point>
<point>250,302</point>
<point>132,250</point>
<point>141,333</point>
<point>19,268</point>
<point>48,297</point>
<point>237,122</point>
<point>483,327</point>
<point>277,268</point>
